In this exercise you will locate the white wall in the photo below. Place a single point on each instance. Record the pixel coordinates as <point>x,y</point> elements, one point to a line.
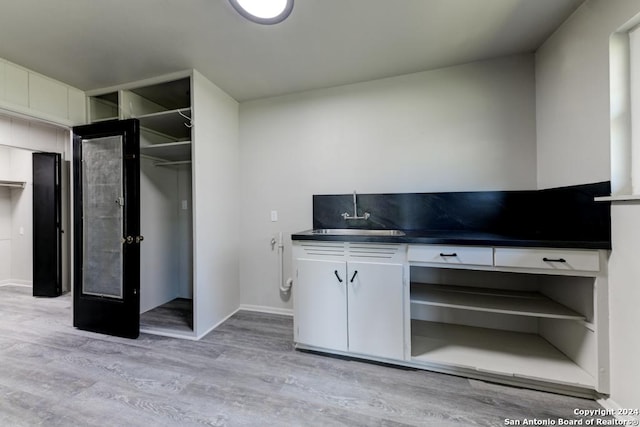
<point>5,231</point>
<point>469,127</point>
<point>574,127</point>
<point>22,218</point>
<point>18,139</point>
<point>159,267</point>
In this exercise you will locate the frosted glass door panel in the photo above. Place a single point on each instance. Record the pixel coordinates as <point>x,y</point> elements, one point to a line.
<point>103,220</point>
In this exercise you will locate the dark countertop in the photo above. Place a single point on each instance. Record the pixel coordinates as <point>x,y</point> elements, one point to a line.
<point>461,237</point>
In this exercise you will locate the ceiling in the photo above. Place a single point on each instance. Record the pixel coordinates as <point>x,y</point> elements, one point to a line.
<point>92,44</point>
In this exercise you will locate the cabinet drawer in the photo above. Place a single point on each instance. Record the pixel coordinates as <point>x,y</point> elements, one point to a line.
<point>451,254</point>
<point>548,259</point>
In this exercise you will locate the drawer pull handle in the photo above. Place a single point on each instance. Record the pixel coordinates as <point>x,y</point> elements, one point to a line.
<point>337,275</point>
<point>545,259</point>
<point>353,277</point>
<point>448,255</point>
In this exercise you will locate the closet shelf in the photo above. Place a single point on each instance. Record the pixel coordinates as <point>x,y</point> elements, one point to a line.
<point>171,123</point>
<point>12,184</point>
<point>170,151</point>
<point>520,303</point>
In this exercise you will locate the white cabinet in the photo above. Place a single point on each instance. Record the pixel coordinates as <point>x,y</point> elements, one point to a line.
<point>189,193</point>
<point>31,94</point>
<point>350,298</point>
<point>535,316</point>
<point>16,85</point>
<point>48,96</point>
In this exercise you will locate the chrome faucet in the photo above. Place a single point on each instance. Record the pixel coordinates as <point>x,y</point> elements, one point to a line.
<point>346,215</point>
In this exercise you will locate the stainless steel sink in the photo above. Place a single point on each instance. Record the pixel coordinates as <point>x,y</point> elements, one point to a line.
<point>356,232</point>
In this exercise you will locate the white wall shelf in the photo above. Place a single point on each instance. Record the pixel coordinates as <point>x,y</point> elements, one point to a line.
<point>520,303</point>
<point>527,356</point>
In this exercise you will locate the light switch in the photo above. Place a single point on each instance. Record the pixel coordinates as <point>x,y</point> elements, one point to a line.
<point>21,231</point>
<point>274,216</point>
<point>185,205</point>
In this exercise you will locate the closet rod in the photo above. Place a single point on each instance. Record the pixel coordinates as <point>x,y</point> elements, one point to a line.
<point>12,184</point>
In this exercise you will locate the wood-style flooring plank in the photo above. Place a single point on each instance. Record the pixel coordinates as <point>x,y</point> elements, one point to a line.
<point>244,373</point>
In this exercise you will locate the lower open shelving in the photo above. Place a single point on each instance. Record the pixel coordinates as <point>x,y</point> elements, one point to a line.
<point>520,303</point>
<point>517,354</point>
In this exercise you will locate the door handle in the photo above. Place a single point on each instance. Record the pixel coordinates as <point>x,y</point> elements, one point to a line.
<point>128,240</point>
<point>545,259</point>
<point>353,277</point>
<point>337,275</point>
<point>139,239</point>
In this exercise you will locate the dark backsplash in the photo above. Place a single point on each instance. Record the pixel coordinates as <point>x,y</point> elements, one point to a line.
<point>565,213</point>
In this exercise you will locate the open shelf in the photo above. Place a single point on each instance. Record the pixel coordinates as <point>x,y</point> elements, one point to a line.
<point>493,351</point>
<point>172,95</point>
<point>12,184</point>
<point>491,300</point>
<point>104,107</point>
<point>171,151</point>
<point>169,123</point>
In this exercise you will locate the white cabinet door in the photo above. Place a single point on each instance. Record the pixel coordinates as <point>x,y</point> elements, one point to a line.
<point>376,313</point>
<point>16,90</point>
<point>320,304</point>
<point>48,96</point>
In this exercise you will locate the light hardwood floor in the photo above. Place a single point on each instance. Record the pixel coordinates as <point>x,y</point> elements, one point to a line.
<point>245,373</point>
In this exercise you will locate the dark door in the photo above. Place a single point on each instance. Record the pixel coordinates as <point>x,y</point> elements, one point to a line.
<point>47,239</point>
<point>106,173</point>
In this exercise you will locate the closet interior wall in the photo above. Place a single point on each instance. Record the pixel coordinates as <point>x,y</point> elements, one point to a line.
<point>19,138</point>
<point>165,255</point>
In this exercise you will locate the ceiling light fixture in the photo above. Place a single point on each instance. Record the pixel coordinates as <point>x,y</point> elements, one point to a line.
<point>263,11</point>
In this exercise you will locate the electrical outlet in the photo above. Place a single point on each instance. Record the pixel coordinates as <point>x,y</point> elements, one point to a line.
<point>274,216</point>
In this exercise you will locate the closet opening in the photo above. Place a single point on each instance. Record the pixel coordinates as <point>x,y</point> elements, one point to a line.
<point>166,254</point>
<point>166,214</point>
<point>20,140</point>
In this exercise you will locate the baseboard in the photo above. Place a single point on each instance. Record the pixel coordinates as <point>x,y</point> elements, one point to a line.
<point>266,309</point>
<point>612,408</point>
<point>14,282</point>
<point>166,333</point>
